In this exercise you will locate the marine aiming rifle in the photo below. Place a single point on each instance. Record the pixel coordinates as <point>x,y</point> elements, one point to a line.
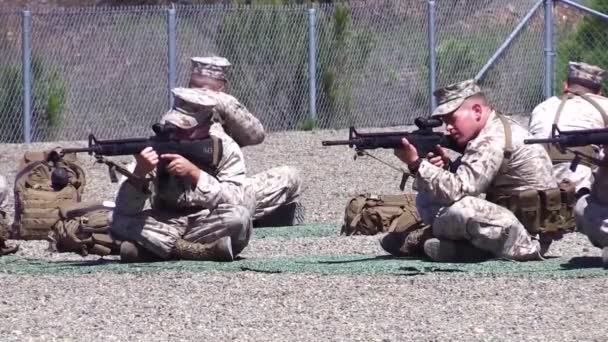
<point>563,140</point>
<point>206,153</point>
<point>424,138</point>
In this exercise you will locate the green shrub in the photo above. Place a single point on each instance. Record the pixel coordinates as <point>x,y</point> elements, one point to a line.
<point>341,49</point>
<point>48,101</point>
<point>587,42</point>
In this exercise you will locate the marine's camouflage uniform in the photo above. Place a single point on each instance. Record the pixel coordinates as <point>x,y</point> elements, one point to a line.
<point>452,202</point>
<point>591,211</point>
<point>204,212</point>
<point>576,114</point>
<point>273,188</point>
<point>3,191</point>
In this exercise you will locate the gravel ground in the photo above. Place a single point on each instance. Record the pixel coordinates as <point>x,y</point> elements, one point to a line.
<point>255,306</point>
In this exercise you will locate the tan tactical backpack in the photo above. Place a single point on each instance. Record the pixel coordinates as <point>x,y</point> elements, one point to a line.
<point>83,228</point>
<point>371,214</point>
<point>37,198</point>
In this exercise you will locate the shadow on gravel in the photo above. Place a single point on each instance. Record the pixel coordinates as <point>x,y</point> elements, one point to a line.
<point>583,262</point>
<point>377,258</point>
<point>414,271</point>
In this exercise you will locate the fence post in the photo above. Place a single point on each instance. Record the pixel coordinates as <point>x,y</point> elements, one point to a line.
<point>171,52</point>
<point>26,45</point>
<point>432,52</point>
<point>312,64</point>
<point>549,53</point>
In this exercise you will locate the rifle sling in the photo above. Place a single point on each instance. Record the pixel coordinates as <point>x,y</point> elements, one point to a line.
<point>568,155</point>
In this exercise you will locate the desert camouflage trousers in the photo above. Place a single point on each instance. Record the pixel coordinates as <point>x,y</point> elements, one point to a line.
<point>157,230</point>
<point>485,225</point>
<point>3,190</point>
<point>592,220</point>
<point>273,188</point>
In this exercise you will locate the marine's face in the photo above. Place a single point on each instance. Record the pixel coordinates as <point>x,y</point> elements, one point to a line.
<point>463,124</point>
<point>198,81</point>
<point>198,132</point>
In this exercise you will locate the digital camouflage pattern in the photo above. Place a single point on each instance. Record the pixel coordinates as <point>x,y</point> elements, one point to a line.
<point>274,188</point>
<point>236,119</point>
<point>576,114</point>
<point>451,202</point>
<point>191,108</point>
<point>585,73</point>
<point>214,67</point>
<point>204,212</point>
<point>4,227</point>
<point>451,97</point>
<point>591,211</point>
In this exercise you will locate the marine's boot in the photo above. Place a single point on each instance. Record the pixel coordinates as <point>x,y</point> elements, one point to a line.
<point>131,252</point>
<point>453,251</point>
<point>4,249</point>
<point>219,250</point>
<point>407,243</point>
<point>284,215</point>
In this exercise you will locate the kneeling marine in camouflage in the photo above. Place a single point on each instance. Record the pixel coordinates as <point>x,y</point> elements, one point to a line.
<point>277,189</point>
<point>193,212</point>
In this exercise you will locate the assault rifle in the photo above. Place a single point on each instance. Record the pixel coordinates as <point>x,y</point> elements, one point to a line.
<point>205,153</point>
<point>562,140</point>
<point>424,138</point>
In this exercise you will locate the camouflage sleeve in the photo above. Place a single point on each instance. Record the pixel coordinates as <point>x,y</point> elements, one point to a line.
<point>129,199</point>
<point>479,165</point>
<point>539,120</point>
<point>239,123</point>
<point>227,187</point>
<point>599,188</point>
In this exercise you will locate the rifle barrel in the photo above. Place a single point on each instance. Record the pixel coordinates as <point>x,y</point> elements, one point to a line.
<point>76,150</point>
<point>540,141</point>
<point>336,142</point>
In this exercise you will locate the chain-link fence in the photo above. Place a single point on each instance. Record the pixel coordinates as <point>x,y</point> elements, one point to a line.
<point>108,70</point>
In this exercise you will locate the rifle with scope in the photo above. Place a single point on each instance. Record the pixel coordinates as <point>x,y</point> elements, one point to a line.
<point>424,138</point>
<point>205,153</point>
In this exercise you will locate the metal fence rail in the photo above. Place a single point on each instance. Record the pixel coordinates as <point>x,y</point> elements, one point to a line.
<point>109,70</point>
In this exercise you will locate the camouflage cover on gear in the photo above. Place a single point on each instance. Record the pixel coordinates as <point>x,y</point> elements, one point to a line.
<point>36,200</point>
<point>4,235</point>
<point>83,228</point>
<point>372,214</point>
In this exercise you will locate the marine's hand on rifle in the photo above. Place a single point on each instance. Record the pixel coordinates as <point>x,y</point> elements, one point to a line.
<point>180,166</point>
<point>438,158</point>
<point>408,154</point>
<point>146,161</point>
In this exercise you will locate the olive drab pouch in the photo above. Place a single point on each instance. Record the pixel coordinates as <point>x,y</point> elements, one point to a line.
<point>83,228</point>
<point>569,198</point>
<point>551,209</point>
<point>542,211</point>
<point>41,186</point>
<point>373,214</point>
<point>528,210</point>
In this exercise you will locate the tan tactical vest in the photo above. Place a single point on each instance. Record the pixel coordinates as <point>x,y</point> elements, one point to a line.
<point>36,202</point>
<point>540,211</point>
